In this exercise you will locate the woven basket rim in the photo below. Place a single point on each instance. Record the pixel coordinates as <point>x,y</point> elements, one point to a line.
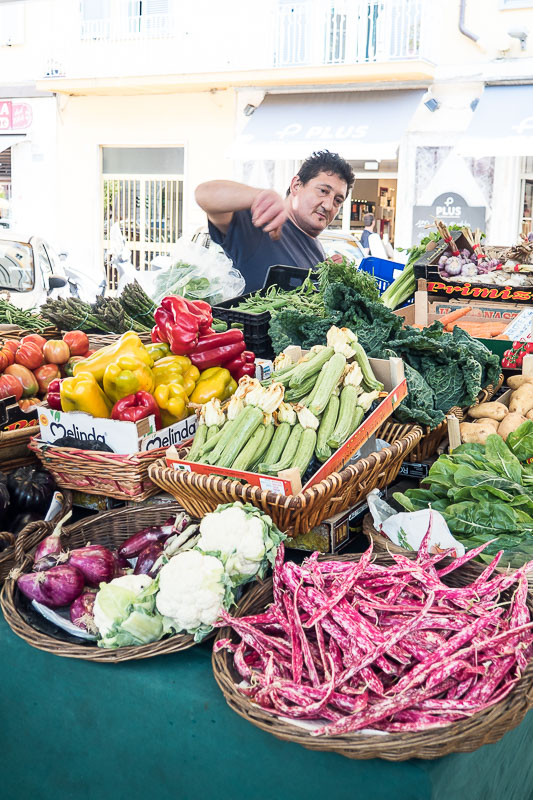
<point>41,641</point>
<point>333,480</point>
<point>429,744</point>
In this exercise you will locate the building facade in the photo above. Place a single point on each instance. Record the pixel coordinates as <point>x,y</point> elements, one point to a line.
<point>134,103</point>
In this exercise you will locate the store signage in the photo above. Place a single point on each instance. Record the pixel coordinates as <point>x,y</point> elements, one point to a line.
<point>14,116</point>
<point>452,209</point>
<point>326,132</point>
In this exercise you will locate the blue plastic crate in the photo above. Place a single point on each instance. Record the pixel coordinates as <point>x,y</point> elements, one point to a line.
<point>383,272</point>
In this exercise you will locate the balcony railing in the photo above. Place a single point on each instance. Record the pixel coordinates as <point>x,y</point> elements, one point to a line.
<point>209,36</point>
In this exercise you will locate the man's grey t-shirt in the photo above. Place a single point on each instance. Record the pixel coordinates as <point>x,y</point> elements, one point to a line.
<point>253,251</point>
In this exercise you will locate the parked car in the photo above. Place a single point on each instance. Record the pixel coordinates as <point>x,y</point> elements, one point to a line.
<point>30,271</point>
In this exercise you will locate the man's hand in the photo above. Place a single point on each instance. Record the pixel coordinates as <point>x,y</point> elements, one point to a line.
<point>269,212</point>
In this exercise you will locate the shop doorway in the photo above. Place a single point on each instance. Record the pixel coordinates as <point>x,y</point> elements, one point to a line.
<point>142,190</point>
<point>526,201</point>
<point>5,188</point>
<point>374,192</point>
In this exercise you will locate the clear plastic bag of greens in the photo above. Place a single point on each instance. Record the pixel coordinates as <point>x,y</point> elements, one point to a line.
<point>198,273</point>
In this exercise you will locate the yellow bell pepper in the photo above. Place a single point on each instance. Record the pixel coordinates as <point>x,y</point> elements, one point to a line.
<point>127,376</point>
<point>129,344</point>
<point>190,378</point>
<point>172,401</point>
<point>158,350</point>
<point>82,393</point>
<point>170,369</point>
<point>214,382</point>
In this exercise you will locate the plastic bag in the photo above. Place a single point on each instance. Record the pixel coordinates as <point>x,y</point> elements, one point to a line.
<point>198,273</point>
<point>407,529</point>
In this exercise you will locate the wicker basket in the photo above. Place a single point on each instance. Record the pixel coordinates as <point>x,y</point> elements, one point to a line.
<point>294,514</point>
<point>431,437</point>
<point>14,450</point>
<point>28,538</point>
<point>124,477</point>
<point>99,340</point>
<point>50,332</point>
<point>485,727</point>
<point>109,529</point>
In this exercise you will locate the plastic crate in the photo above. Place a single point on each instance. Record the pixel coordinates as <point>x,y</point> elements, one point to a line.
<point>382,270</point>
<point>255,326</point>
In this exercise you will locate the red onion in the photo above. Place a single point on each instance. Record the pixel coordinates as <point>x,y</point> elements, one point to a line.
<point>95,562</point>
<point>56,587</point>
<point>147,559</point>
<point>81,612</point>
<point>51,545</point>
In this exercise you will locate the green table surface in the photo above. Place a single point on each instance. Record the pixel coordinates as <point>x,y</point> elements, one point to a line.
<point>160,729</point>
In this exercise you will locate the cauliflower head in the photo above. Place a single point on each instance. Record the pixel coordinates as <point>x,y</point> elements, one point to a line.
<point>192,591</point>
<point>243,538</point>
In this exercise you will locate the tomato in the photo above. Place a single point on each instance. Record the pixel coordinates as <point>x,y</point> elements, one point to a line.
<point>9,385</point>
<point>29,355</point>
<point>46,374</point>
<point>29,402</point>
<point>78,342</point>
<point>35,338</point>
<point>27,379</point>
<point>71,363</point>
<point>529,347</point>
<point>518,345</point>
<point>11,345</point>
<point>56,351</point>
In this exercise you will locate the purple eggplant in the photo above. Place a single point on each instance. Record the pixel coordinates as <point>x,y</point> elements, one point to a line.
<point>95,562</point>
<point>56,587</point>
<point>82,613</point>
<point>136,543</point>
<point>147,558</point>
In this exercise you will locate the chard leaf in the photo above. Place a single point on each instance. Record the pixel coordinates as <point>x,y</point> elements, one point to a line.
<point>520,441</point>
<point>502,460</point>
<point>468,476</point>
<point>472,518</point>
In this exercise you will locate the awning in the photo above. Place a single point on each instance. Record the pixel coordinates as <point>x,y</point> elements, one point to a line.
<point>502,124</point>
<point>7,141</point>
<point>358,125</point>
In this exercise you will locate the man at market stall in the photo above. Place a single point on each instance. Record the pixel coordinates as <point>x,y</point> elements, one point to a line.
<point>258,228</point>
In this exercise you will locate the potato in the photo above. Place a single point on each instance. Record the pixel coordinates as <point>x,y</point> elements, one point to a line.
<point>488,421</point>
<point>511,422</point>
<point>475,432</point>
<point>522,399</point>
<point>493,410</point>
<point>529,414</point>
<point>516,381</point>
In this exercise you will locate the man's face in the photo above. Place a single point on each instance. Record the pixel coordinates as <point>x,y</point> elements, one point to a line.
<point>313,205</point>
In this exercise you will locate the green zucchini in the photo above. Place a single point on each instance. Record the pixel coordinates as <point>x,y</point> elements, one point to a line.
<point>370,382</point>
<point>308,369</point>
<point>245,425</point>
<point>247,454</point>
<point>343,428</point>
<point>326,428</point>
<point>262,449</point>
<point>212,454</point>
<point>289,452</point>
<point>199,439</point>
<point>306,448</point>
<point>301,391</point>
<point>327,381</point>
<point>279,440</point>
<point>212,431</point>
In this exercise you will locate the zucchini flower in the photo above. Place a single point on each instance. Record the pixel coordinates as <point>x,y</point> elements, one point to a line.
<point>306,418</point>
<point>267,400</point>
<point>286,413</point>
<point>353,375</point>
<point>234,407</point>
<point>246,384</point>
<point>366,399</point>
<point>340,339</point>
<point>212,414</point>
<point>282,362</point>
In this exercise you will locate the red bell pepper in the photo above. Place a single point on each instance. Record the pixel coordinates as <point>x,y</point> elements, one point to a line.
<point>137,406</point>
<point>156,335</point>
<point>212,340</point>
<point>243,364</point>
<point>217,356</point>
<point>53,397</point>
<point>202,311</point>
<point>177,325</point>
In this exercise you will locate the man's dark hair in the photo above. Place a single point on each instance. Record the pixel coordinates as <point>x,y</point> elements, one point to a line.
<point>324,161</point>
<point>368,219</point>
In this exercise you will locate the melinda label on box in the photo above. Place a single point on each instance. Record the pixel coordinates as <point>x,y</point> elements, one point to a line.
<point>121,437</point>
<point>176,434</point>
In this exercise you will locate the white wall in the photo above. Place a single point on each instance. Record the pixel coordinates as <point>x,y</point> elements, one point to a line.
<point>201,123</point>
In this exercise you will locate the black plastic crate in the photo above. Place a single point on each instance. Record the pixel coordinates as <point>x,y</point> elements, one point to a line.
<point>255,326</point>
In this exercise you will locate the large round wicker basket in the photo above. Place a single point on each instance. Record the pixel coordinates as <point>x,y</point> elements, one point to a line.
<point>109,529</point>
<point>485,727</point>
